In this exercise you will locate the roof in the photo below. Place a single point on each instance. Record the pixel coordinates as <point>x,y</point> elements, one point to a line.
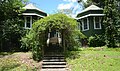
<point>91,7</point>
<point>90,15</point>
<point>31,6</point>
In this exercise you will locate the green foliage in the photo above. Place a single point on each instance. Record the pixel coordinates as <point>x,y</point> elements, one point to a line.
<point>36,38</point>
<point>96,41</point>
<point>10,24</point>
<point>25,42</point>
<point>111,22</point>
<point>99,3</point>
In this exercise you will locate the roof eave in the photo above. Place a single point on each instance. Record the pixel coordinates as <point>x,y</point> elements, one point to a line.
<point>32,14</point>
<point>89,15</point>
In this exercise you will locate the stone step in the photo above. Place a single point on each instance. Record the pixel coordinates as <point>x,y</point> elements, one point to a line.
<point>53,60</point>
<point>53,66</point>
<point>53,57</point>
<point>54,63</point>
<point>61,69</point>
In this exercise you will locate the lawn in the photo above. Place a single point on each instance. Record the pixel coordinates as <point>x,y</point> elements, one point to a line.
<point>94,59</point>
<point>18,61</point>
<point>83,59</point>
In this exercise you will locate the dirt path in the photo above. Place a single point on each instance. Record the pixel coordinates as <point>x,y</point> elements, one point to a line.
<point>24,58</point>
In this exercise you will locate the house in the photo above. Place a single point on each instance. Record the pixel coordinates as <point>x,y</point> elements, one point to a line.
<point>90,20</point>
<point>31,14</point>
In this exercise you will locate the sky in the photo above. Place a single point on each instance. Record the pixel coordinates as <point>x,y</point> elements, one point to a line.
<point>51,6</point>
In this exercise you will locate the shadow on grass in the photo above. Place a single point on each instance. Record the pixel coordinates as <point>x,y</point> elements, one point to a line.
<point>9,67</point>
<point>2,54</point>
<point>72,54</point>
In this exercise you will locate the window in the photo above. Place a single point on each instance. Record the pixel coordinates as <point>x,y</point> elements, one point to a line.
<point>28,22</point>
<point>119,4</point>
<point>97,22</point>
<point>85,24</point>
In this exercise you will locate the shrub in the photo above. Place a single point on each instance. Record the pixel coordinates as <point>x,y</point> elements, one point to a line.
<point>96,41</point>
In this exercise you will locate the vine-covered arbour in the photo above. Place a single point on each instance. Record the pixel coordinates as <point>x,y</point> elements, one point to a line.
<point>38,35</point>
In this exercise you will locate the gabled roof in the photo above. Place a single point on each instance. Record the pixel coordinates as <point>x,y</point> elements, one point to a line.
<point>91,7</point>
<point>31,6</point>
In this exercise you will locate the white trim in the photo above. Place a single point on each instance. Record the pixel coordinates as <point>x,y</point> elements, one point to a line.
<point>31,14</point>
<point>90,15</point>
<point>83,29</point>
<point>95,23</point>
<point>82,24</point>
<point>78,26</point>
<point>87,23</point>
<point>26,22</point>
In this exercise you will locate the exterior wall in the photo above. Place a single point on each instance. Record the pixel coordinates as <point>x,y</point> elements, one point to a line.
<point>92,31</point>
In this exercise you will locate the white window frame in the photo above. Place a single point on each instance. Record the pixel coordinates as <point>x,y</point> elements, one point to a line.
<point>26,22</point>
<point>99,23</point>
<point>119,4</point>
<point>83,29</point>
<point>78,26</point>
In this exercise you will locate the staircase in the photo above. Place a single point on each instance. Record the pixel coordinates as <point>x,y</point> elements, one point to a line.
<point>54,63</point>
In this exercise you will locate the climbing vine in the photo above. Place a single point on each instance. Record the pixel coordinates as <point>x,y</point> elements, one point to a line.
<point>36,38</point>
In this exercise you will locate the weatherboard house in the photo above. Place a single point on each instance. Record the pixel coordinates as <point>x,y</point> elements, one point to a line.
<point>31,14</point>
<point>90,20</point>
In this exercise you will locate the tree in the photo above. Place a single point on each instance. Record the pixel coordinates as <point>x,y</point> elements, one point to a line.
<point>111,22</point>
<point>36,39</point>
<point>10,23</point>
<point>99,3</point>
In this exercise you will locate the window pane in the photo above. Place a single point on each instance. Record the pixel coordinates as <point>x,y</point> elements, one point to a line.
<point>28,22</point>
<point>28,19</point>
<point>97,22</point>
<point>97,19</point>
<point>28,25</point>
<point>97,25</point>
<point>85,24</point>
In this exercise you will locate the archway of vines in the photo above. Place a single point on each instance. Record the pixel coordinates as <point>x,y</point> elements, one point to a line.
<point>36,38</point>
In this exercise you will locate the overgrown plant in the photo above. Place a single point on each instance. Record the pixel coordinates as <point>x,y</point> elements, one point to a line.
<point>111,22</point>
<point>96,41</point>
<point>37,37</point>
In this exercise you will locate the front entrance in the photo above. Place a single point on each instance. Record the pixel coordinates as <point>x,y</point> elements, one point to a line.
<point>53,49</point>
<point>54,45</point>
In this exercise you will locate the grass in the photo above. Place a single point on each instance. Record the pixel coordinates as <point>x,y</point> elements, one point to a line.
<point>94,59</point>
<point>83,59</point>
<point>18,61</point>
